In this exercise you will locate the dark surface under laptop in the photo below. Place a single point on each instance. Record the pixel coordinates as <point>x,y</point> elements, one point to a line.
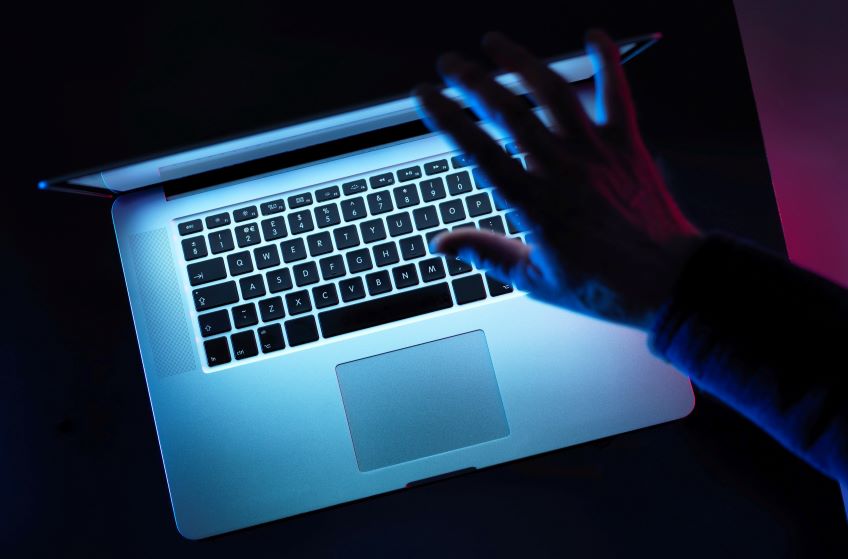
<point>82,467</point>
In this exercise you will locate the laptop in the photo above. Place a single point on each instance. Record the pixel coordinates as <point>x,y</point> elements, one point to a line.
<point>303,347</point>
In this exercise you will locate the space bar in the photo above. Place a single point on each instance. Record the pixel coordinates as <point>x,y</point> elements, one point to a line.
<point>385,309</point>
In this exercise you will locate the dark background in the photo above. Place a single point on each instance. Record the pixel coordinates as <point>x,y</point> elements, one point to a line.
<point>81,469</point>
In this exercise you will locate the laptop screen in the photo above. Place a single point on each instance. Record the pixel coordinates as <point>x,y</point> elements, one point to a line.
<point>300,143</point>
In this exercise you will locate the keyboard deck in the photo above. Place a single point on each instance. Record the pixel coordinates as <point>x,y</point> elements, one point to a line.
<point>281,272</point>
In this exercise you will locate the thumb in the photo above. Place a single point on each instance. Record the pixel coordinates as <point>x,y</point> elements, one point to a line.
<point>507,260</point>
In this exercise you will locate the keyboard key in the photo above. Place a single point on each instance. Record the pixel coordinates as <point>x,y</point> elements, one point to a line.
<point>353,209</point>
<point>300,222</point>
<point>300,200</point>
<point>405,276</point>
<point>408,174</point>
<point>494,223</point>
<point>213,323</point>
<point>332,267</point>
<point>399,224</point>
<point>457,266</point>
<point>500,201</point>
<point>459,183</point>
<point>271,338</point>
<point>252,287</point>
<point>325,296</point>
<point>379,203</point>
<point>435,167</point>
<point>412,247</point>
<point>425,218</point>
<point>190,227</point>
<point>358,260</point>
<point>194,248</point>
<point>305,274</point>
<point>346,237</point>
<point>478,205</point>
<point>327,194</point>
<point>480,178</point>
<point>245,315</point>
<point>244,344</point>
<point>462,160</point>
<point>452,211</point>
<point>266,257</point>
<point>239,263</point>
<point>354,187</point>
<point>372,230</point>
<point>513,148</point>
<point>293,250</point>
<point>274,228</point>
<point>431,269</point>
<point>221,241</point>
<point>217,220</point>
<point>271,309</point>
<point>319,243</point>
<point>279,280</point>
<point>378,282</point>
<point>327,215</point>
<point>383,310</point>
<point>215,296</point>
<point>217,351</point>
<point>298,302</point>
<point>385,254</point>
<point>516,223</point>
<point>352,289</point>
<point>272,207</point>
<point>247,235</point>
<point>468,225</point>
<point>384,179</point>
<point>433,189</point>
<point>206,271</point>
<point>406,196</point>
<point>497,287</point>
<point>302,330</point>
<point>244,214</point>
<point>468,289</point>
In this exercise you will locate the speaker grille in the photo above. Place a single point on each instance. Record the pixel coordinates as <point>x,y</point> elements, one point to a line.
<point>168,332</point>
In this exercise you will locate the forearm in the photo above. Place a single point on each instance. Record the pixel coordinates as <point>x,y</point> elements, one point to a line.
<point>769,339</point>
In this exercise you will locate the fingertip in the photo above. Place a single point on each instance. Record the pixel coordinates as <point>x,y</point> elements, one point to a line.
<point>435,242</point>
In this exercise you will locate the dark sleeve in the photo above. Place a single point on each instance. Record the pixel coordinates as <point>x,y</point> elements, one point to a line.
<point>769,339</point>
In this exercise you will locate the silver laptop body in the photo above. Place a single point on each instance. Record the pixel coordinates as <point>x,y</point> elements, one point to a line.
<point>275,396</point>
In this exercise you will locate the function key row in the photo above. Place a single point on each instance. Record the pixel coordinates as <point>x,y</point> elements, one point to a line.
<point>404,196</point>
<point>426,217</point>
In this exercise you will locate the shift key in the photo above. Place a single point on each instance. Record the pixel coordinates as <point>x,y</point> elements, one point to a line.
<point>213,296</point>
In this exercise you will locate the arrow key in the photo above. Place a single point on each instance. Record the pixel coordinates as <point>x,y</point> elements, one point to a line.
<point>206,271</point>
<point>214,323</point>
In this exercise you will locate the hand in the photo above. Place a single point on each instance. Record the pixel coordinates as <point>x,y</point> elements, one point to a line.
<point>608,239</point>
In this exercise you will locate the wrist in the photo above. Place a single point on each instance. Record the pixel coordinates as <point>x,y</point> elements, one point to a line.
<point>671,261</point>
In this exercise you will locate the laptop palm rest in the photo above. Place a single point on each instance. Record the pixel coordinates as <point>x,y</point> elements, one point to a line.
<point>422,400</point>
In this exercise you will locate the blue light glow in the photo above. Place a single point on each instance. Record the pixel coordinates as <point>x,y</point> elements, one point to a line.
<point>42,185</point>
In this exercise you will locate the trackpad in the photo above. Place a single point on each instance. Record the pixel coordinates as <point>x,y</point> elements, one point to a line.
<point>422,400</point>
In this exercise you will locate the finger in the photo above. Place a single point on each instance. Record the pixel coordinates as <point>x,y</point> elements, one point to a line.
<point>505,259</point>
<point>504,171</point>
<point>613,100</point>
<point>492,101</point>
<point>550,90</point>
